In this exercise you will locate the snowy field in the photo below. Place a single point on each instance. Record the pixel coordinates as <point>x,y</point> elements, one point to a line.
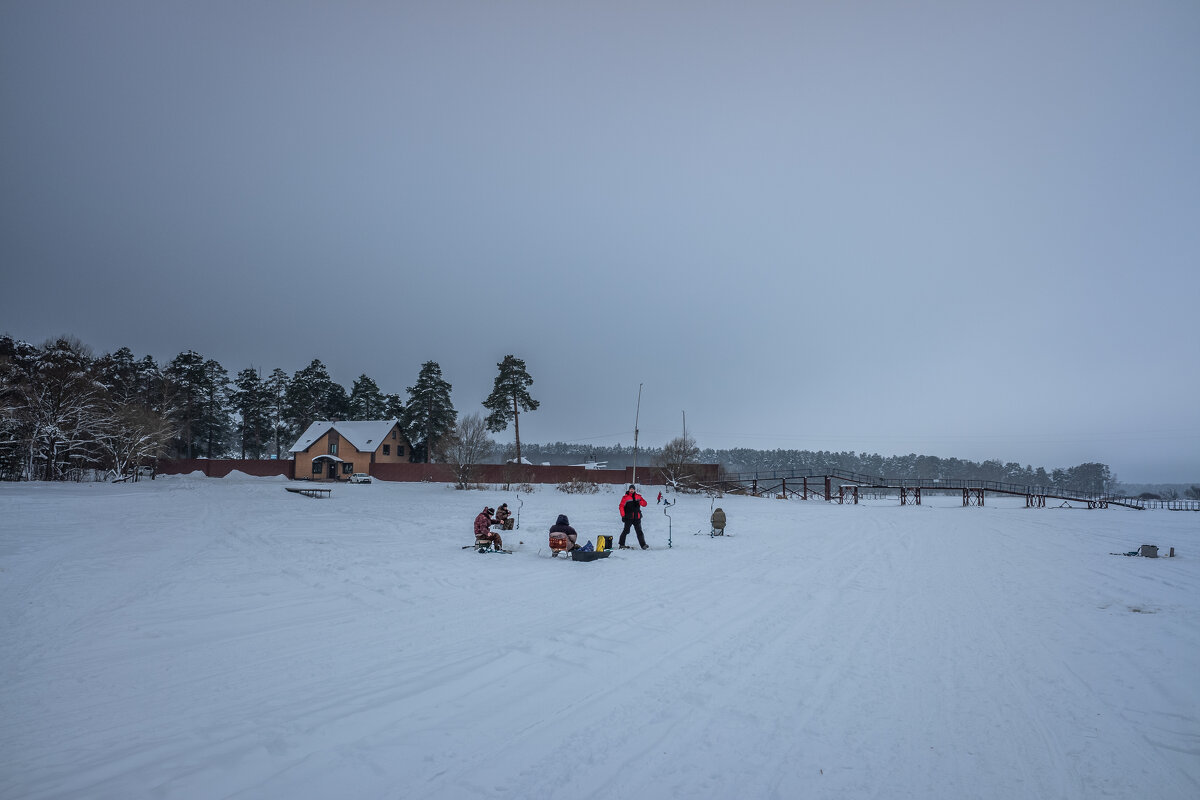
<point>214,638</point>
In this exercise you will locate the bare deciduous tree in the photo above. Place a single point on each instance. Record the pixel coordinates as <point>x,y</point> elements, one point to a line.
<point>61,407</point>
<point>131,436</point>
<point>469,444</point>
<point>676,460</point>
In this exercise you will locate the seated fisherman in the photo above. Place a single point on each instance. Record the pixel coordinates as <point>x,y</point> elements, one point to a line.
<point>562,529</point>
<point>718,522</point>
<point>504,517</point>
<point>483,528</point>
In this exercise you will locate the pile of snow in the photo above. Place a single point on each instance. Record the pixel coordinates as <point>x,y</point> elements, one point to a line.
<point>187,638</point>
<point>238,475</point>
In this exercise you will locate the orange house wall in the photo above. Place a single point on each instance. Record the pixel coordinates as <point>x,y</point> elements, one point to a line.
<point>347,452</point>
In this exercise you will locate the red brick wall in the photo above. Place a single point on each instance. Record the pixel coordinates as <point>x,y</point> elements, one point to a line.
<point>220,467</point>
<point>438,473</point>
<point>495,473</point>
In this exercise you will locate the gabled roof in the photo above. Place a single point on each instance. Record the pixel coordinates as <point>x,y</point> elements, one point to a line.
<point>365,435</point>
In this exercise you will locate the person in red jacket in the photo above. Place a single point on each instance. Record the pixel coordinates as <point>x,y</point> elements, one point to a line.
<point>631,514</point>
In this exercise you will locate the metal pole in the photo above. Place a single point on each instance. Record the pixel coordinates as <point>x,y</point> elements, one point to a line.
<point>636,417</point>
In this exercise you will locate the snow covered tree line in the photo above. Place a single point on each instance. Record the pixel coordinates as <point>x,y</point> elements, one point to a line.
<point>65,413</point>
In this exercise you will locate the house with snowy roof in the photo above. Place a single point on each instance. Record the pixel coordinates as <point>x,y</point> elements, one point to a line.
<point>333,450</point>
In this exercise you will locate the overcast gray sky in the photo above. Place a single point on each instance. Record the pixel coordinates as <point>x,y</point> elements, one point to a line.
<point>956,228</point>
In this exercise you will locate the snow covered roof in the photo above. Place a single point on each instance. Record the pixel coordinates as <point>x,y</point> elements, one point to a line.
<point>365,435</point>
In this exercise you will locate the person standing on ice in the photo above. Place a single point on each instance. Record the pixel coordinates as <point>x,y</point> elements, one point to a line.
<point>631,514</point>
<point>483,528</point>
<point>562,529</point>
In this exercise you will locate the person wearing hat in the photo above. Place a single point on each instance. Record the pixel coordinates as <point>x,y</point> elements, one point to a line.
<point>504,517</point>
<point>631,514</point>
<point>483,528</point>
<point>561,529</point>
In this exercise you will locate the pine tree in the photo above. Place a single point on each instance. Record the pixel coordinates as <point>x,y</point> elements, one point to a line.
<point>152,386</point>
<point>312,395</point>
<point>216,417</point>
<point>200,407</point>
<point>117,372</point>
<point>393,407</point>
<point>252,400</point>
<point>429,414</point>
<point>276,389</point>
<point>337,403</point>
<point>186,376</point>
<point>510,396</point>
<point>366,401</point>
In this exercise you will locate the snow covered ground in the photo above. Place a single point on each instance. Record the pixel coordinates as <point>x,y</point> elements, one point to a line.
<point>205,638</point>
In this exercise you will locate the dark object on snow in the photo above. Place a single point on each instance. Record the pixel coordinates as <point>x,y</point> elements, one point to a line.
<point>309,492</point>
<point>589,555</point>
<point>1147,550</point>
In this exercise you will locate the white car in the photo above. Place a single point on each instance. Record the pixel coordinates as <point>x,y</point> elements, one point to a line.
<point>360,477</point>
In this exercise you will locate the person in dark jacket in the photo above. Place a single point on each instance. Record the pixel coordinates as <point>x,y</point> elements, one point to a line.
<point>504,517</point>
<point>631,514</point>
<point>562,529</point>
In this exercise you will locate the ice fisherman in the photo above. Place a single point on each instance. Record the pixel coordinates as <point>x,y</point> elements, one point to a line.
<point>483,528</point>
<point>631,514</point>
<point>561,529</point>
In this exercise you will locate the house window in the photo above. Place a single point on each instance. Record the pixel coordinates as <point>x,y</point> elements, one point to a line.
<point>333,448</point>
<point>399,450</point>
<point>393,434</point>
<point>334,439</point>
<point>317,467</point>
<point>347,468</point>
<point>387,449</point>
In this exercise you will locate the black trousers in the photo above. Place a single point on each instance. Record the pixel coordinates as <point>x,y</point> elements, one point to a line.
<point>637,526</point>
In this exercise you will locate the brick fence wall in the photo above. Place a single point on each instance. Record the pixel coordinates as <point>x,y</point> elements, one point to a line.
<point>220,467</point>
<point>438,473</point>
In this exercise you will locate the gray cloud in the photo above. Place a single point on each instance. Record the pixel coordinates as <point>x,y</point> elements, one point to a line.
<point>966,231</point>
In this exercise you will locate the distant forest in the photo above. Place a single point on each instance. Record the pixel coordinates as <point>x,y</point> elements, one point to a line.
<point>1088,477</point>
